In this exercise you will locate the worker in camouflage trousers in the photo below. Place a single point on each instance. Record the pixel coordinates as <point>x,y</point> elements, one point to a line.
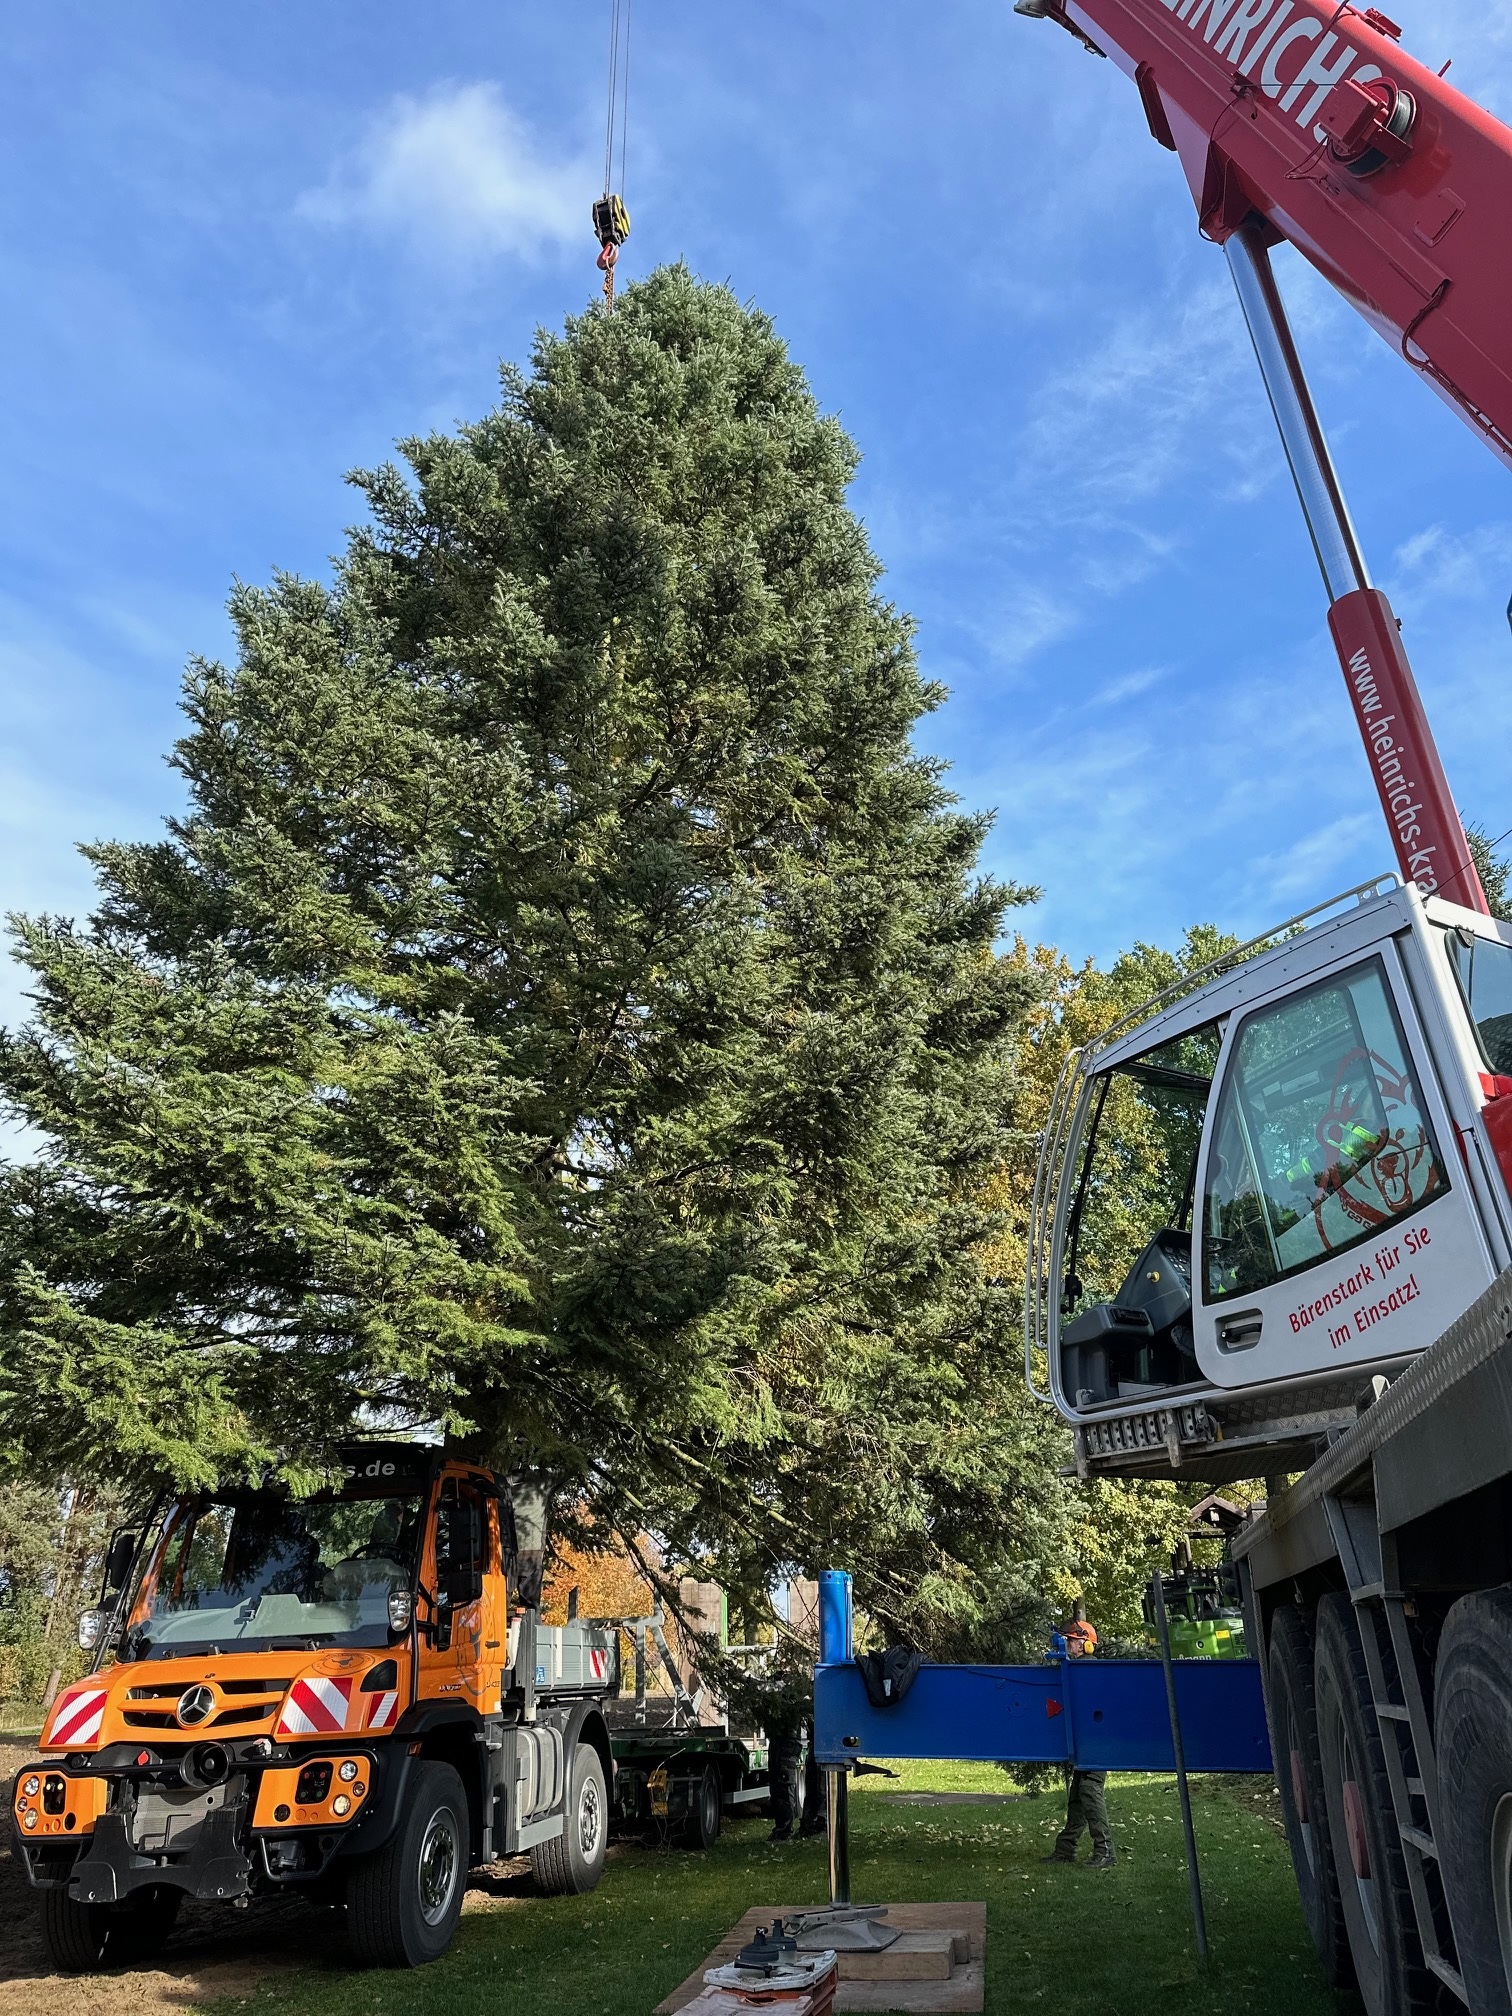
<point>779,1701</point>
<point>1086,1799</point>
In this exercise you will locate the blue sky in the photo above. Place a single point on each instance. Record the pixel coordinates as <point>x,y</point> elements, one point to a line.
<point>244,250</point>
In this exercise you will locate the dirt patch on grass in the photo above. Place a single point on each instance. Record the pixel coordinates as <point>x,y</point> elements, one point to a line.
<point>213,1951</point>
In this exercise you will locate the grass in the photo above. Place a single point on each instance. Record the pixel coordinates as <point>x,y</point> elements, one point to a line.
<point>1062,1939</point>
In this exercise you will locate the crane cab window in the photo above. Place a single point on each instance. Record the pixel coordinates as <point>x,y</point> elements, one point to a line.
<point>1126,1301</point>
<point>1483,967</point>
<point>1320,1139</point>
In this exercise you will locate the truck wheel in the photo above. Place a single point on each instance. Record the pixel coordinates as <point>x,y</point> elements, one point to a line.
<point>704,1816</point>
<point>1377,1904</point>
<point>81,1938</point>
<point>573,1863</point>
<point>1299,1780</point>
<point>403,1901</point>
<point>1473,1738</point>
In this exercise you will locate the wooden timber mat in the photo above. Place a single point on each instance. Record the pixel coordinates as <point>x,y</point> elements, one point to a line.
<point>963,1991</point>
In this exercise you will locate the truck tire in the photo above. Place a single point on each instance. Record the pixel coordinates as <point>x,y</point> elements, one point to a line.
<point>1299,1780</point>
<point>573,1863</point>
<point>403,1900</point>
<point>1473,1740</point>
<point>1373,1892</point>
<point>705,1813</point>
<point>82,1938</point>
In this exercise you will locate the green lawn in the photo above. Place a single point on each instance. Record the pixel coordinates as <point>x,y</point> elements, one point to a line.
<point>1081,1945</point>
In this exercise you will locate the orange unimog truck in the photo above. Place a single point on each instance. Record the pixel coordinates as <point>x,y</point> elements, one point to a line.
<point>351,1692</point>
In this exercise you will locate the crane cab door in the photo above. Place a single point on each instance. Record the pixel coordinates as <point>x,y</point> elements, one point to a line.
<point>1334,1221</point>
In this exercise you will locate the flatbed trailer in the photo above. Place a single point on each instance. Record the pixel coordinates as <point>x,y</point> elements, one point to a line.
<point>688,1778</point>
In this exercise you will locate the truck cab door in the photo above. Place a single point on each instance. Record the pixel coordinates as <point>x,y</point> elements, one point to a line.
<point>1335,1221</point>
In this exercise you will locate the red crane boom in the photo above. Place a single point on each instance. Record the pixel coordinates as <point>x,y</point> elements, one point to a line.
<point>1311,124</point>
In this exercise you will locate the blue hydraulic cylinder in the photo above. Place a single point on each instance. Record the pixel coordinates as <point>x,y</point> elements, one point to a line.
<point>836,1617</point>
<point>1096,1714</point>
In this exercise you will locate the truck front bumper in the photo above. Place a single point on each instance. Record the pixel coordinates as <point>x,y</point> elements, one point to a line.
<point>102,1832</point>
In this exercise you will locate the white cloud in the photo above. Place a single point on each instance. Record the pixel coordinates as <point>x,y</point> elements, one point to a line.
<point>458,173</point>
<point>1309,866</point>
<point>1132,414</point>
<point>1128,686</point>
<point>1466,565</point>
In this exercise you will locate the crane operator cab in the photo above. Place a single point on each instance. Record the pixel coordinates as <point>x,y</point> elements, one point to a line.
<point>1282,1181</point>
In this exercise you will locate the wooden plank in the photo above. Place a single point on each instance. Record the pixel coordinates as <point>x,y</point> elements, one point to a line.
<point>913,1956</point>
<point>963,1992</point>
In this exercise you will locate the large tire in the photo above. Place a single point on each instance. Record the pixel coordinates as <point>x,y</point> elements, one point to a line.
<point>1373,1892</point>
<point>705,1814</point>
<point>572,1864</point>
<point>403,1900</point>
<point>1473,1740</point>
<point>83,1938</point>
<point>1299,1780</point>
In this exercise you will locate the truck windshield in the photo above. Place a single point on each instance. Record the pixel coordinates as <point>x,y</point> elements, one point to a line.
<point>259,1571</point>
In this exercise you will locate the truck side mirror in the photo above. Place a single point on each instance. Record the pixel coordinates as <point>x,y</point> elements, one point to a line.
<point>118,1559</point>
<point>464,1585</point>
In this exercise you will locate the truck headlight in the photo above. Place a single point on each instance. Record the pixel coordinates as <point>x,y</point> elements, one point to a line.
<point>32,1786</point>
<point>92,1625</point>
<point>29,1818</point>
<point>348,1770</point>
<point>401,1609</point>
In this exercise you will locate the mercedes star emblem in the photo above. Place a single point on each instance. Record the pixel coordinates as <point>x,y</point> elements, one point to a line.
<point>196,1704</point>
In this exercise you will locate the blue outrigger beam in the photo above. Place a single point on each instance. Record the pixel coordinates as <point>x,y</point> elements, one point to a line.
<point>1096,1714</point>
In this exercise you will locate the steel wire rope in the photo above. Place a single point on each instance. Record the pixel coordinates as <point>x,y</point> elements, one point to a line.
<point>609,119</point>
<point>1450,880</point>
<point>625,103</point>
<point>883,1580</point>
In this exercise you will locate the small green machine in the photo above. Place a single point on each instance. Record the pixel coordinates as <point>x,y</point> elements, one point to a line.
<point>1206,1620</point>
<point>1203,1607</point>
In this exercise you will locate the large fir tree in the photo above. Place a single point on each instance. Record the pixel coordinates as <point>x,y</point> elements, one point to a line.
<point>564,1011</point>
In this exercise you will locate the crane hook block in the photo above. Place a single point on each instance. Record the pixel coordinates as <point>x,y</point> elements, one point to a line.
<point>611,220</point>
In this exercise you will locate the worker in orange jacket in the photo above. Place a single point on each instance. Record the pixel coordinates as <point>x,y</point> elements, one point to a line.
<point>1086,1801</point>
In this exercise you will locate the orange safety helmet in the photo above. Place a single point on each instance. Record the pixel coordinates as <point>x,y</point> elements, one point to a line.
<point>1081,1639</point>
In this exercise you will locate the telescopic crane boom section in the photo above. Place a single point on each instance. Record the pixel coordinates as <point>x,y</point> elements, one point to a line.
<point>1310,123</point>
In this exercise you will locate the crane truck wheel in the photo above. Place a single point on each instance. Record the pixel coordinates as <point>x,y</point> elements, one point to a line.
<point>705,1814</point>
<point>1473,1739</point>
<point>81,1938</point>
<point>1299,1780</point>
<point>1377,1904</point>
<point>573,1863</point>
<point>404,1900</point>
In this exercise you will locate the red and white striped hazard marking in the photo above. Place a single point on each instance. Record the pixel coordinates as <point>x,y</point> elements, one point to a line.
<point>77,1717</point>
<point>384,1712</point>
<point>598,1664</point>
<point>315,1707</point>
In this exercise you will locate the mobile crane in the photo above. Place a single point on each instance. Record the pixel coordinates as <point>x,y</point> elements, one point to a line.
<point>1321,1291</point>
